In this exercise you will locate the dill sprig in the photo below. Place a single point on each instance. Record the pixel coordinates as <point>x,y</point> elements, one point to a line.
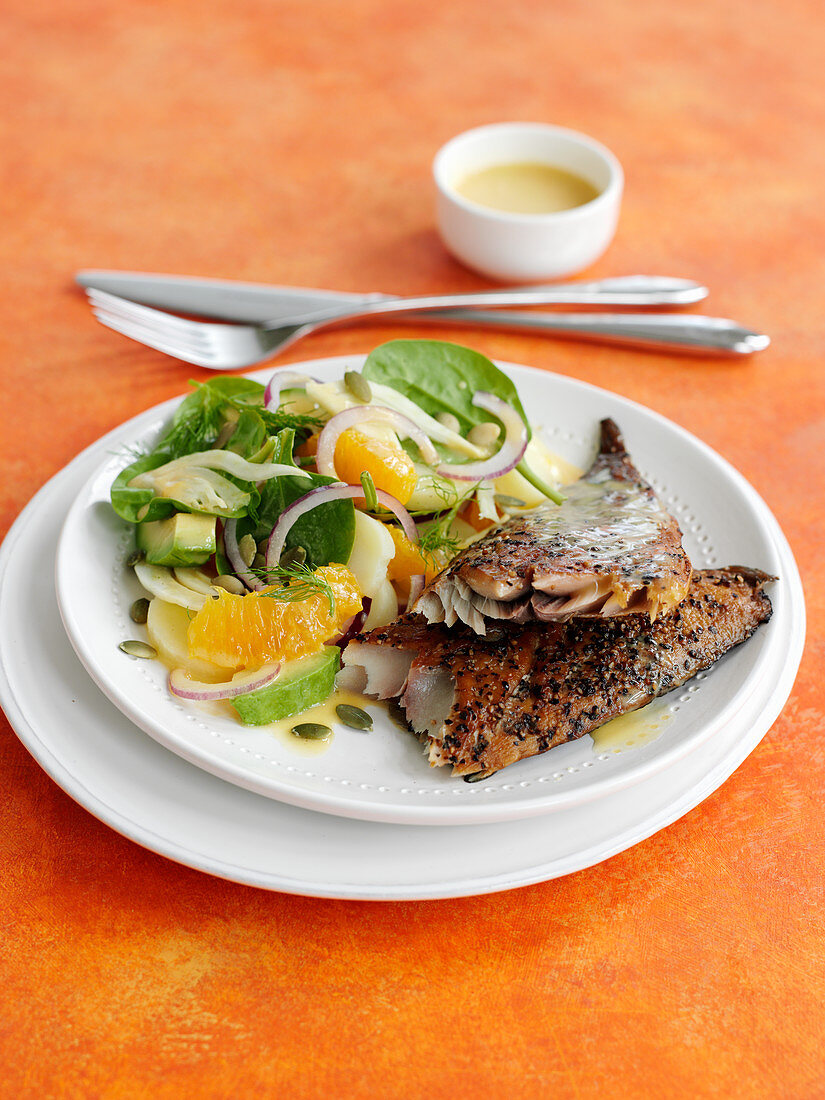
<point>296,583</point>
<point>207,418</point>
<point>196,426</point>
<point>437,541</point>
<point>275,420</point>
<point>300,422</point>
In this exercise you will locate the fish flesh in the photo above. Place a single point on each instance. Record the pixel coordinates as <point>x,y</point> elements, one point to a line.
<point>481,703</point>
<point>610,549</point>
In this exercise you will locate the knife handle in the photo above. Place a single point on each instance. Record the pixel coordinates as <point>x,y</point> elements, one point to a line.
<point>668,331</point>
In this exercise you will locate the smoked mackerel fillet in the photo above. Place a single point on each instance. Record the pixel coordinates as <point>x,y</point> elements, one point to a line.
<point>481,703</point>
<point>610,549</point>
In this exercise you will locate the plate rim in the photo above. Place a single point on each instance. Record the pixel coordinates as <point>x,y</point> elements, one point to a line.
<point>469,813</point>
<point>79,791</point>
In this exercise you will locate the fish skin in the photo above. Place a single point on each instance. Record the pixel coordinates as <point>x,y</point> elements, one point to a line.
<point>611,549</point>
<point>523,690</point>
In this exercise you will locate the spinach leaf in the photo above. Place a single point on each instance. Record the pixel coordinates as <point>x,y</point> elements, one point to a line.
<point>249,434</point>
<point>326,533</point>
<point>441,377</point>
<point>141,505</point>
<point>129,503</point>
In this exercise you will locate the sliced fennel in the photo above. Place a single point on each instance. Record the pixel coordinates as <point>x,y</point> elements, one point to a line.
<point>161,582</point>
<point>195,579</point>
<point>485,499</point>
<point>372,551</point>
<point>194,481</point>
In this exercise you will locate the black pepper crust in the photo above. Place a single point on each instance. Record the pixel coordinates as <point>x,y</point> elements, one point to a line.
<point>538,685</point>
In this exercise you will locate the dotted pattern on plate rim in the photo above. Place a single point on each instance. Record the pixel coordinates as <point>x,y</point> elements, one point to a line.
<point>689,525</point>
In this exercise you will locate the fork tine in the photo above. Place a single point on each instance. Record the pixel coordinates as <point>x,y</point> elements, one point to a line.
<point>206,344</point>
<point>202,345</point>
<point>152,339</point>
<point>148,332</point>
<point>113,302</point>
<point>152,319</point>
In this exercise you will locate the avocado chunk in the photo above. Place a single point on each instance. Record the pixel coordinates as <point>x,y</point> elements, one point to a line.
<point>303,683</point>
<point>183,539</point>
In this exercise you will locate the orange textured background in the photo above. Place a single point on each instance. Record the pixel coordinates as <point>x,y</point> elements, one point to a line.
<point>290,141</point>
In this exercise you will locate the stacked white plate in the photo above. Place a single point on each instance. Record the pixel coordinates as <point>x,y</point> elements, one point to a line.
<point>368,818</point>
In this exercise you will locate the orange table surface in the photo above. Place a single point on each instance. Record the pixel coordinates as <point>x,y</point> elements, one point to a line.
<point>290,142</point>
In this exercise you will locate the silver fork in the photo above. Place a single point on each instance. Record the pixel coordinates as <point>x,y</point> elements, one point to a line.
<point>218,346</point>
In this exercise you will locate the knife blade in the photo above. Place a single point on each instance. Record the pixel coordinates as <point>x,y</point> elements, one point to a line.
<point>223,299</point>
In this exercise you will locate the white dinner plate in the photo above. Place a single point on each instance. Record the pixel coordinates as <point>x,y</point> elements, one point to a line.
<point>384,776</point>
<point>155,798</point>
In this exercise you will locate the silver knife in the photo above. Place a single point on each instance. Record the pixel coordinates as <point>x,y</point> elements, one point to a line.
<point>260,303</point>
<point>224,299</point>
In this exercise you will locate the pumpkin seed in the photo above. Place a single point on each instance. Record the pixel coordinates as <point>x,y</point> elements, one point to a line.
<point>508,502</point>
<point>139,611</point>
<point>354,717</point>
<point>450,422</point>
<point>134,559</point>
<point>230,583</point>
<point>247,548</point>
<point>484,435</point>
<point>312,731</point>
<point>358,386</point>
<point>477,777</point>
<point>296,555</point>
<point>134,648</point>
<point>259,561</point>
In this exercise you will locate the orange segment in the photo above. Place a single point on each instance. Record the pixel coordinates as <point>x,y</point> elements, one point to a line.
<point>389,464</point>
<point>472,514</point>
<point>408,561</point>
<point>246,631</point>
<point>309,447</point>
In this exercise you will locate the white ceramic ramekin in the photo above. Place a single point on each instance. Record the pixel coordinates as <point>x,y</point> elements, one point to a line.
<point>526,247</point>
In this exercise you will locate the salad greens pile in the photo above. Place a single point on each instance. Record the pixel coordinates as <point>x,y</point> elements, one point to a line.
<point>235,481</point>
<point>229,414</point>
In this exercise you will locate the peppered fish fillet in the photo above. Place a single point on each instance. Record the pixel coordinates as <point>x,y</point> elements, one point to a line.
<point>610,549</point>
<point>481,703</point>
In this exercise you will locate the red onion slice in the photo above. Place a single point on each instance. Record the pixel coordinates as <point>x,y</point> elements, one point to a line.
<point>281,380</point>
<point>233,554</point>
<point>508,455</point>
<point>323,495</point>
<point>352,626</point>
<point>369,414</point>
<point>182,685</point>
